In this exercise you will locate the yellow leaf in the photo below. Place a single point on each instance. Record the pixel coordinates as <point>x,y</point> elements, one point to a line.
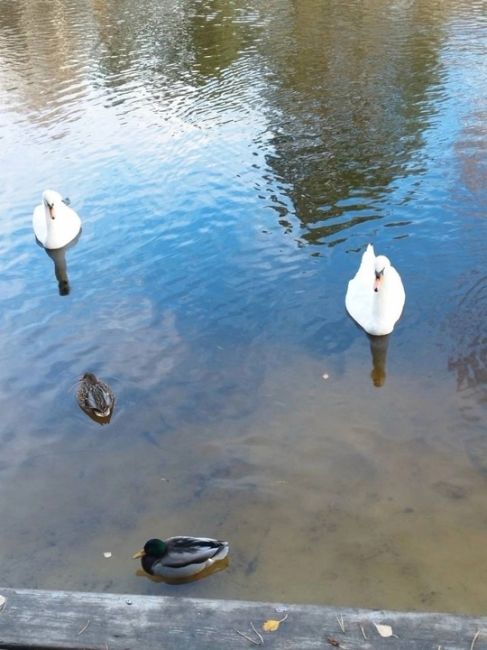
<point>271,625</point>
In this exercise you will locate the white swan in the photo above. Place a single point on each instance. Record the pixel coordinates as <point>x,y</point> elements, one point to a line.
<point>55,223</point>
<point>375,296</point>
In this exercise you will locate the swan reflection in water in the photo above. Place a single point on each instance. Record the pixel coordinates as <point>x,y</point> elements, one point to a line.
<point>58,256</point>
<point>378,349</point>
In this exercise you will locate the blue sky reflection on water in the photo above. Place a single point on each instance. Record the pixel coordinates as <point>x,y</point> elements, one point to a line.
<point>230,163</point>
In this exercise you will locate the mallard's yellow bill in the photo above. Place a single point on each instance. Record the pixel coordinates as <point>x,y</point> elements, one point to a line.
<point>140,553</point>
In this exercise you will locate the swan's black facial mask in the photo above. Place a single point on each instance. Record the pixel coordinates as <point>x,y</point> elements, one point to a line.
<point>379,276</point>
<point>50,207</point>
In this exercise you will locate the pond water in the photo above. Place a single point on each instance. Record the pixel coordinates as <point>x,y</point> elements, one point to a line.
<point>230,160</point>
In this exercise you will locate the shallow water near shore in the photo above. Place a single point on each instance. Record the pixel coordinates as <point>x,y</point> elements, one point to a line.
<point>230,162</point>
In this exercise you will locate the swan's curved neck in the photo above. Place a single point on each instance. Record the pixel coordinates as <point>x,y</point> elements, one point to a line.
<point>50,222</point>
<point>382,295</point>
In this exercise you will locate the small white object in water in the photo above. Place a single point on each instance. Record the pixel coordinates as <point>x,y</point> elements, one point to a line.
<point>107,554</point>
<point>326,376</point>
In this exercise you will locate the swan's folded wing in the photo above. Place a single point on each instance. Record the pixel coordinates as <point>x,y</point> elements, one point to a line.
<point>39,223</point>
<point>356,302</point>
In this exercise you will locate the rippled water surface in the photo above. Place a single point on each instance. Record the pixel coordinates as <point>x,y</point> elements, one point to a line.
<point>230,160</point>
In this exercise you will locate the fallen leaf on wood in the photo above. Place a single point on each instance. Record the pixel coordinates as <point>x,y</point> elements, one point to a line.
<point>384,630</point>
<point>333,642</point>
<point>271,625</point>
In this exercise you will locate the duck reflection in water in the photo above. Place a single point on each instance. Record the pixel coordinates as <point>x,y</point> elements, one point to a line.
<point>378,349</point>
<point>58,256</point>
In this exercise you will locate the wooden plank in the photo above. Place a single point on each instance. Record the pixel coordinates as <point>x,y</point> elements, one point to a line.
<point>48,620</point>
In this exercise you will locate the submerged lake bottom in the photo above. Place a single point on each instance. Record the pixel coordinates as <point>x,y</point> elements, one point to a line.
<point>365,507</point>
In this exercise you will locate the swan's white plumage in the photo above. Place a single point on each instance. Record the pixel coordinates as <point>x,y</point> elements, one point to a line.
<point>57,232</point>
<point>377,312</point>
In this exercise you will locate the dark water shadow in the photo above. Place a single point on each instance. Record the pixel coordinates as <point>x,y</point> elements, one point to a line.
<point>58,256</point>
<point>338,153</point>
<point>468,361</point>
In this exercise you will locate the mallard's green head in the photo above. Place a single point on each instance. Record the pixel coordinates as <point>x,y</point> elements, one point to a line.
<point>155,548</point>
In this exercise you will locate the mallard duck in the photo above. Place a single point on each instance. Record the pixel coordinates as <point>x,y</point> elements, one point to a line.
<point>375,296</point>
<point>94,396</point>
<point>179,557</point>
<point>55,223</point>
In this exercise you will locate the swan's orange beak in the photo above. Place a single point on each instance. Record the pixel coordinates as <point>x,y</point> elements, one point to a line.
<point>378,280</point>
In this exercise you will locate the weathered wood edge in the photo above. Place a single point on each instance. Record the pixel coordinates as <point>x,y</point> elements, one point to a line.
<point>48,620</point>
